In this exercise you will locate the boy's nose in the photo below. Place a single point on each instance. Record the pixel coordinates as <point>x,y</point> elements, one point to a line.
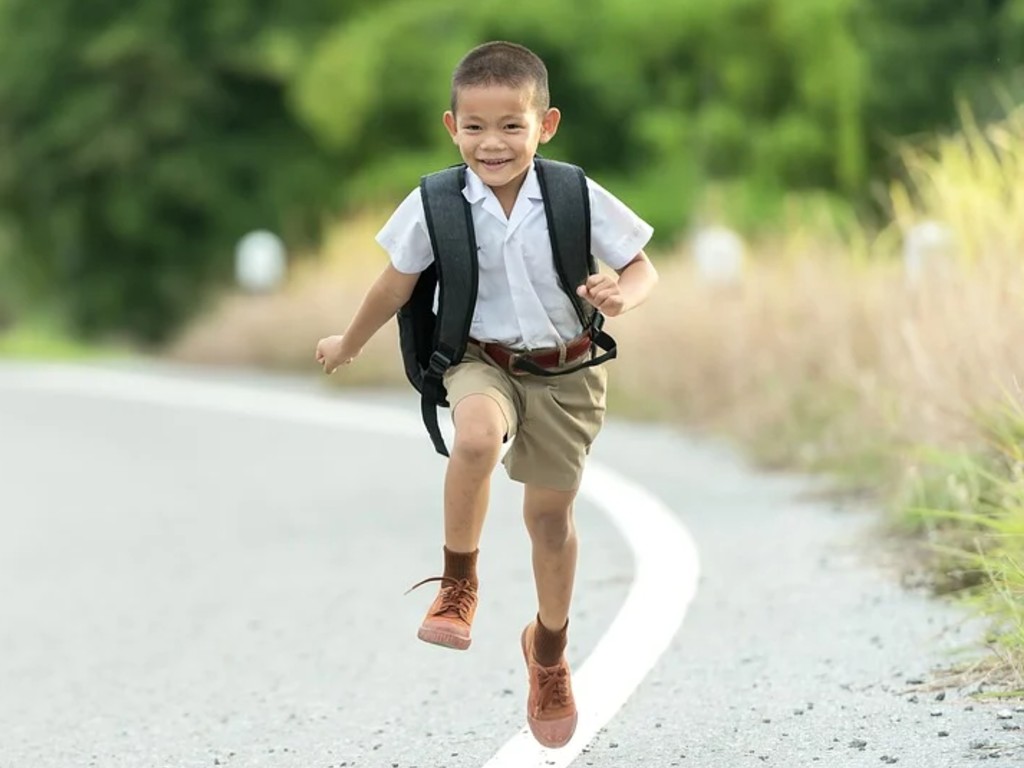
<point>492,140</point>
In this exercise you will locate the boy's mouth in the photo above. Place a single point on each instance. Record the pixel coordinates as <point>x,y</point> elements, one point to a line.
<point>494,163</point>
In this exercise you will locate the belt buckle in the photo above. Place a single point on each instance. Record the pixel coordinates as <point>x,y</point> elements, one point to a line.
<point>513,356</point>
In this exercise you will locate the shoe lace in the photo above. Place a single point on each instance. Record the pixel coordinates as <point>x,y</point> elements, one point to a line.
<point>553,684</point>
<point>457,596</point>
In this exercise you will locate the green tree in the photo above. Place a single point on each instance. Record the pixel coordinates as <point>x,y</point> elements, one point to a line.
<point>138,141</point>
<point>922,54</point>
<point>658,96</point>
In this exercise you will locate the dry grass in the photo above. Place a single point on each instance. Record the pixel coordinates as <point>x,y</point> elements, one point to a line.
<point>809,358</point>
<point>828,347</point>
<point>280,330</point>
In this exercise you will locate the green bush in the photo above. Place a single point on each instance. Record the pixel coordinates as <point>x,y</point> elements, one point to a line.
<point>137,143</point>
<point>661,96</point>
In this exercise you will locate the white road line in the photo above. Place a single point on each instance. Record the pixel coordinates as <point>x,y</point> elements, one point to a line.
<point>665,556</point>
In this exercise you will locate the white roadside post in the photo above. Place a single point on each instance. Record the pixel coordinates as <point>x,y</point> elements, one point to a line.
<point>927,252</point>
<point>260,262</point>
<point>719,255</point>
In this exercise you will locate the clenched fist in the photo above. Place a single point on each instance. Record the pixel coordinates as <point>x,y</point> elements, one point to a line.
<point>603,293</point>
<point>331,353</point>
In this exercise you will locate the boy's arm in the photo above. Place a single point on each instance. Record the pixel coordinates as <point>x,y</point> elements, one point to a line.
<point>615,297</point>
<point>636,281</point>
<point>389,293</point>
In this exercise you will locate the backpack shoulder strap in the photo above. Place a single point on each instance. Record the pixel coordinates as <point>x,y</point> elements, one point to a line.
<point>567,207</point>
<point>450,226</point>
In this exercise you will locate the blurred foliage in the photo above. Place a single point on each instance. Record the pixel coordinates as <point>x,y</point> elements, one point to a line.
<point>140,140</point>
<point>926,56</point>
<point>658,97</point>
<point>8,285</point>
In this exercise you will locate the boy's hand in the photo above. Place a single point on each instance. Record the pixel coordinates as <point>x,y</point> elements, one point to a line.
<point>331,353</point>
<point>603,293</point>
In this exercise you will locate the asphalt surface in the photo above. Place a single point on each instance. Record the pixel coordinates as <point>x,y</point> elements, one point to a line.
<point>181,587</point>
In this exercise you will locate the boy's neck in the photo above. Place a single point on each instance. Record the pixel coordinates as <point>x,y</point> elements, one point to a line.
<point>507,197</point>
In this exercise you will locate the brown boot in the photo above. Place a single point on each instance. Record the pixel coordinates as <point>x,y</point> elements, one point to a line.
<point>450,617</point>
<point>550,707</point>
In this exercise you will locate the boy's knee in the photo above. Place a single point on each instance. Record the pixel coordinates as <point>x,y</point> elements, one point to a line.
<point>477,443</point>
<point>550,526</point>
<point>479,430</point>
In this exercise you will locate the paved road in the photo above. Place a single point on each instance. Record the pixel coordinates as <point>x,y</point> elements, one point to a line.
<point>186,587</point>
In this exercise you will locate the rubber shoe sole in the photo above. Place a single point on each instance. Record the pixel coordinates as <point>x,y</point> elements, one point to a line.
<point>449,620</point>
<point>443,638</point>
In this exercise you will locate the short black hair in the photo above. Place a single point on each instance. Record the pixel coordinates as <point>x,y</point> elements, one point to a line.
<point>503,63</point>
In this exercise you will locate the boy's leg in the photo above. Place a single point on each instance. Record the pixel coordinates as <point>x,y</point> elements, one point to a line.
<point>548,457</point>
<point>549,521</point>
<point>480,429</point>
<point>481,424</point>
<point>551,708</point>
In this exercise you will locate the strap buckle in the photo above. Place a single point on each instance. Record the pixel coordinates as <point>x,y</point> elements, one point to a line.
<point>439,363</point>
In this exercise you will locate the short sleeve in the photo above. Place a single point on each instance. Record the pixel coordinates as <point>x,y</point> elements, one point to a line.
<point>404,236</point>
<point>617,234</point>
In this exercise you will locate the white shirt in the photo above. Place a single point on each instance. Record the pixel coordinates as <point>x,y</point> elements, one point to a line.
<point>520,303</point>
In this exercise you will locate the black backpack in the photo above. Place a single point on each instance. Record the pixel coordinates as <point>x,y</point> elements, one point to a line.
<point>432,343</point>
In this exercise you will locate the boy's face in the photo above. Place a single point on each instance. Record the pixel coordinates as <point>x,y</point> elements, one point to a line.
<point>497,129</point>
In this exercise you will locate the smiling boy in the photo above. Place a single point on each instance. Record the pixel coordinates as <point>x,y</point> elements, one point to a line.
<point>500,113</point>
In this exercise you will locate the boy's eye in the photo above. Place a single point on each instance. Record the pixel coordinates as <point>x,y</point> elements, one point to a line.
<point>471,127</point>
<point>513,127</point>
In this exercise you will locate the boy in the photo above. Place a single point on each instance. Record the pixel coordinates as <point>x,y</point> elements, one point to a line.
<point>499,115</point>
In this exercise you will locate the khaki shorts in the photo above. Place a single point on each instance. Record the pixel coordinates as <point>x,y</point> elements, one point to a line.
<point>551,421</point>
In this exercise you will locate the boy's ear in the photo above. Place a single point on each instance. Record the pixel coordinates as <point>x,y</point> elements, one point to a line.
<point>449,123</point>
<point>549,124</point>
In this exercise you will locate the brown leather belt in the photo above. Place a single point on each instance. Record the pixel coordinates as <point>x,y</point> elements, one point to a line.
<point>543,358</point>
